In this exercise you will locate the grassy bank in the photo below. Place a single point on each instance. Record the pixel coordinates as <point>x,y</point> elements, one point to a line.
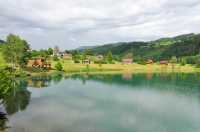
<point>70,67</point>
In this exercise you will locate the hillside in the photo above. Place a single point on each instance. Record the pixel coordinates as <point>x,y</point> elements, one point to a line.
<point>164,48</point>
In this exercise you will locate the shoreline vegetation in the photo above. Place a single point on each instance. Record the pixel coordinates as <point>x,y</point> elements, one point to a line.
<point>70,69</point>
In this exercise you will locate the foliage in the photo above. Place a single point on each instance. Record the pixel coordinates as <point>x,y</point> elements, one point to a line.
<point>56,78</point>
<point>192,59</point>
<point>84,56</point>
<point>197,63</point>
<point>59,66</point>
<point>128,55</point>
<point>55,58</point>
<point>15,50</point>
<point>165,48</point>
<point>76,56</point>
<point>173,59</point>
<point>6,79</point>
<point>88,52</point>
<point>50,51</point>
<point>100,62</point>
<point>76,61</point>
<point>42,53</point>
<point>109,57</point>
<point>183,61</point>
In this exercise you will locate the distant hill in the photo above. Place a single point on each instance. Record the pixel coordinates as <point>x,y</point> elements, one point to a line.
<point>164,48</point>
<point>85,47</point>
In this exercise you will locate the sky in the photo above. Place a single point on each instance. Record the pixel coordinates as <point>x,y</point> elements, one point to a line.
<point>73,23</point>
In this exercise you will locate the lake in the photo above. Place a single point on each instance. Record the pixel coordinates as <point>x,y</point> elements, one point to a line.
<point>105,103</point>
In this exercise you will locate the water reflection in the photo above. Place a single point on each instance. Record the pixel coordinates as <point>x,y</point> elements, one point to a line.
<point>15,95</point>
<point>182,82</point>
<point>127,76</point>
<point>44,81</point>
<point>7,83</point>
<point>39,82</point>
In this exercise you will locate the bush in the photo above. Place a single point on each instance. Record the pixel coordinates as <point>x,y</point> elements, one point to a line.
<point>55,58</point>
<point>198,63</point>
<point>59,66</point>
<point>76,61</point>
<point>183,61</point>
<point>100,62</point>
<point>141,62</point>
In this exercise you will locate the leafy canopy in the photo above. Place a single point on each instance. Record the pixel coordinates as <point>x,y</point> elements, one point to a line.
<point>15,51</point>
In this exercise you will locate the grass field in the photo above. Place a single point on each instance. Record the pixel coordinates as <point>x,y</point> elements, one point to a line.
<point>70,67</point>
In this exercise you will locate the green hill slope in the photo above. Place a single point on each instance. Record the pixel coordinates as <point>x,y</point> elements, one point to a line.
<point>164,48</point>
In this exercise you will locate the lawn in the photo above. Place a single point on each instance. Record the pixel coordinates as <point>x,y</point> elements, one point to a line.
<point>70,67</point>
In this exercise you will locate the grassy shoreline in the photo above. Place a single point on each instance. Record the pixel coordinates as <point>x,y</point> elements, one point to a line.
<point>69,69</point>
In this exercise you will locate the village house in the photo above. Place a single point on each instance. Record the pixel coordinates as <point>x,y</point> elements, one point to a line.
<point>86,61</point>
<point>164,62</point>
<point>100,57</point>
<point>66,56</point>
<point>127,61</point>
<point>38,63</point>
<point>149,61</point>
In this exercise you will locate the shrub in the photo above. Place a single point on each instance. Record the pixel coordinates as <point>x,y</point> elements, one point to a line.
<point>100,62</point>
<point>76,61</point>
<point>55,58</point>
<point>198,62</point>
<point>141,62</point>
<point>183,61</point>
<point>59,66</point>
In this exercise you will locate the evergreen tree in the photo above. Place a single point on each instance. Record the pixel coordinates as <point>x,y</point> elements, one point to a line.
<point>109,57</point>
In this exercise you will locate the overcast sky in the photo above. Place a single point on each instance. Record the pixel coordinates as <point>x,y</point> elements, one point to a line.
<point>73,23</point>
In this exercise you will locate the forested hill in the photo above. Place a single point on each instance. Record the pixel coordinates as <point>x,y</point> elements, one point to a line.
<point>164,48</point>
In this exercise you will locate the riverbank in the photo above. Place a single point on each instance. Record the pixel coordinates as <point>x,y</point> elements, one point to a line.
<point>71,68</point>
<point>119,68</point>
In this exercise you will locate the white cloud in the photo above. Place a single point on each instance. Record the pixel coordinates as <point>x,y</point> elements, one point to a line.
<point>48,22</point>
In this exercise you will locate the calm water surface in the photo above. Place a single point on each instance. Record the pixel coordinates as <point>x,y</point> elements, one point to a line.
<point>106,103</point>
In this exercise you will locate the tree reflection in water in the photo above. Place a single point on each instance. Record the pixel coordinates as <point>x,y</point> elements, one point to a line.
<point>13,95</point>
<point>44,81</point>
